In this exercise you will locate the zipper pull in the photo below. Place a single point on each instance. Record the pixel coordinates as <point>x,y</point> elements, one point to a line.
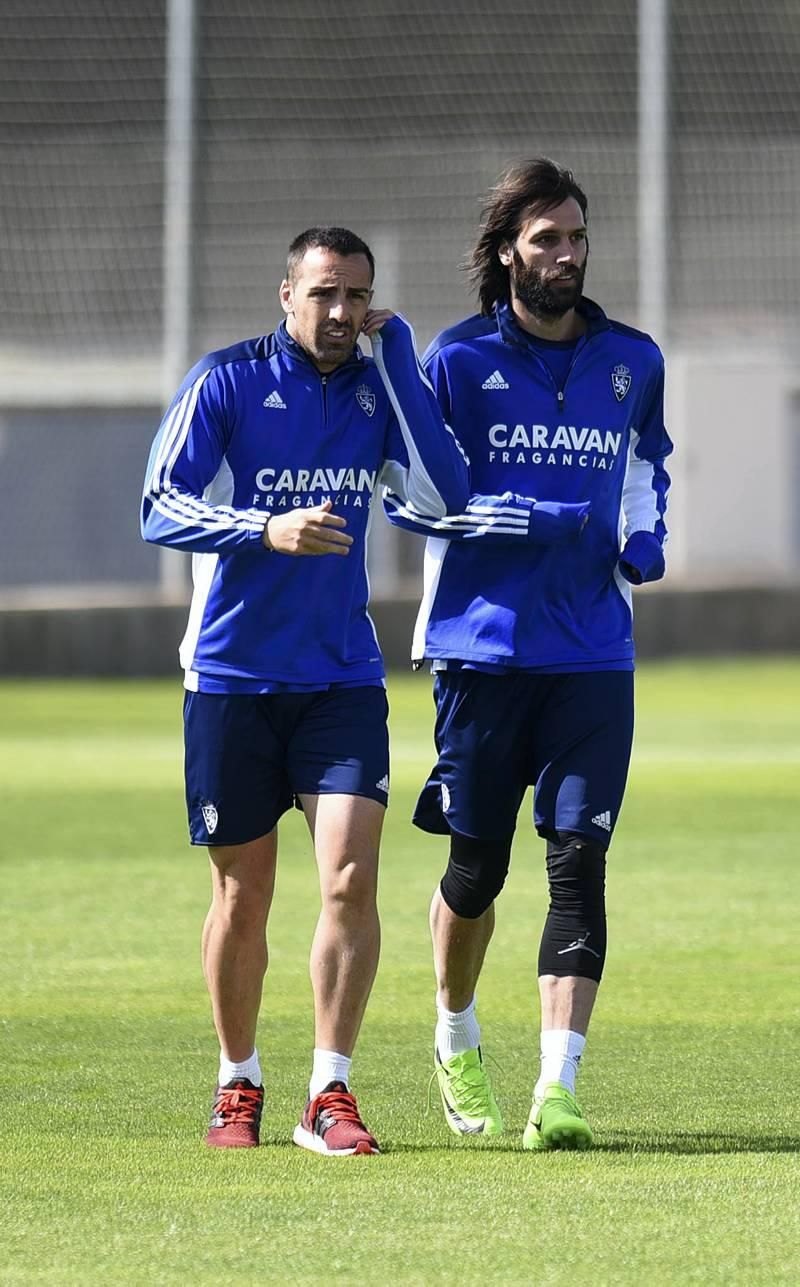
<point>561,399</point>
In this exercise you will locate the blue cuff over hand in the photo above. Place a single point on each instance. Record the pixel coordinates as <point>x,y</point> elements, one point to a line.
<point>552,523</point>
<point>642,559</point>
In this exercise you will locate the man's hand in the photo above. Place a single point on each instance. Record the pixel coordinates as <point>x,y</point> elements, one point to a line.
<point>307,531</point>
<point>374,320</point>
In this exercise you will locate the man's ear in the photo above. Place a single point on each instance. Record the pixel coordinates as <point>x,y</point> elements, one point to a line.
<point>286,295</point>
<point>505,254</point>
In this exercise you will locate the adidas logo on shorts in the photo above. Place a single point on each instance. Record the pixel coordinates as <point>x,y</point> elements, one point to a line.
<point>495,381</point>
<point>383,785</point>
<point>275,401</point>
<point>603,820</point>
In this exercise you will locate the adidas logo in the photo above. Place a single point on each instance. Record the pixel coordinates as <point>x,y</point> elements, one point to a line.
<point>275,400</point>
<point>603,820</point>
<point>495,381</point>
<point>383,785</point>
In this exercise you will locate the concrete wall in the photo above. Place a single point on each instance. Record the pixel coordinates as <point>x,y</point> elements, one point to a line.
<point>142,639</point>
<point>733,513</point>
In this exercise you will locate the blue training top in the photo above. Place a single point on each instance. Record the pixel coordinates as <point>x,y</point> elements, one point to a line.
<point>568,497</point>
<point>254,431</point>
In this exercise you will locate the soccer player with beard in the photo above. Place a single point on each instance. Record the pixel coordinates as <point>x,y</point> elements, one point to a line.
<point>526,618</point>
<point>264,469</point>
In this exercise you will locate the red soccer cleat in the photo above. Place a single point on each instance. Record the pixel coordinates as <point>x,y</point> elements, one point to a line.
<point>331,1124</point>
<point>236,1115</point>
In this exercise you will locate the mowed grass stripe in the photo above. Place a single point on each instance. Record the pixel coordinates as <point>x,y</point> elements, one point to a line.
<point>108,1056</point>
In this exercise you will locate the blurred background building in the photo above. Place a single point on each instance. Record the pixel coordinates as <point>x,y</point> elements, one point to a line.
<point>156,159</point>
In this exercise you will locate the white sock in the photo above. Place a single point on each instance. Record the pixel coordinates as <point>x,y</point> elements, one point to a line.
<point>561,1053</point>
<point>230,1071</point>
<point>456,1030</point>
<point>328,1066</point>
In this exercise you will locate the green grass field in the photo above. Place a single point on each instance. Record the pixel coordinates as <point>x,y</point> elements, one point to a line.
<point>108,1058</point>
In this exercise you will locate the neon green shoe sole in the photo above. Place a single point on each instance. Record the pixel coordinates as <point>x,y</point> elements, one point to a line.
<point>470,1107</point>
<point>557,1122</point>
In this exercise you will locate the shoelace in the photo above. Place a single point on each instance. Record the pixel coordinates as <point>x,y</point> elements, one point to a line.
<point>475,1102</point>
<point>238,1105</point>
<point>339,1104</point>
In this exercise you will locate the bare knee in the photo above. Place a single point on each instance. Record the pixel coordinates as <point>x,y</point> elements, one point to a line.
<point>351,889</point>
<point>242,881</point>
<point>241,912</point>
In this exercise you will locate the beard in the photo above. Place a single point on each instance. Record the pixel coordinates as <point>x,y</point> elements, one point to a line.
<point>545,296</point>
<point>324,349</point>
<point>335,349</point>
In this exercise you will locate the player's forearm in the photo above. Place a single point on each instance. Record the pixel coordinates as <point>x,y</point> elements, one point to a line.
<point>644,496</point>
<point>437,480</point>
<point>184,521</point>
<point>644,504</point>
<point>507,517</point>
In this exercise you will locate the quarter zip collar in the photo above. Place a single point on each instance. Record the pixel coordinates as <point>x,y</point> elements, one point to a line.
<point>511,332</point>
<point>289,346</point>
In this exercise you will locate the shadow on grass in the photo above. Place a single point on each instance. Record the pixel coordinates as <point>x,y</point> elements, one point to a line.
<point>473,1146</point>
<point>698,1142</point>
<point>675,1143</point>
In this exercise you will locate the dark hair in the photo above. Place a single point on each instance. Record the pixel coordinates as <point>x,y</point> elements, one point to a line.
<point>532,187</point>
<point>340,240</point>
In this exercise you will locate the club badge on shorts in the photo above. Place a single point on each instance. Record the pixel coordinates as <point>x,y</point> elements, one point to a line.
<point>210,817</point>
<point>620,381</point>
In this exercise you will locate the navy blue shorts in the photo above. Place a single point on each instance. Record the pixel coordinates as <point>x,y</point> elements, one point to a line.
<point>249,755</point>
<point>567,735</point>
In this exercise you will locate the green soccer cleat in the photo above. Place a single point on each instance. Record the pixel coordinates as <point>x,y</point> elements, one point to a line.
<point>557,1122</point>
<point>470,1107</point>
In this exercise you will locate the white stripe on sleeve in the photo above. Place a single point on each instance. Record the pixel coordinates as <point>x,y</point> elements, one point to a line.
<point>639,497</point>
<point>424,488</point>
<point>508,520</point>
<point>188,511</point>
<point>176,430</point>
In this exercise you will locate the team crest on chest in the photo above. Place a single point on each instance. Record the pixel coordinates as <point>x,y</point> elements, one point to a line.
<point>366,399</point>
<point>620,381</point>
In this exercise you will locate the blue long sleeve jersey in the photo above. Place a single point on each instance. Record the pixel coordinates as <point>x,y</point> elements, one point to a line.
<point>254,431</point>
<point>506,585</point>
